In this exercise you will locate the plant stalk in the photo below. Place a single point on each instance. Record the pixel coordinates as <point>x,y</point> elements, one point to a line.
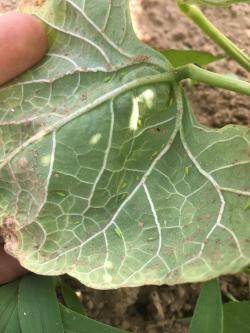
<point>196,15</point>
<point>212,79</point>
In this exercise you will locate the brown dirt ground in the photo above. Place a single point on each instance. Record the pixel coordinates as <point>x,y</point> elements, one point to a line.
<point>160,24</point>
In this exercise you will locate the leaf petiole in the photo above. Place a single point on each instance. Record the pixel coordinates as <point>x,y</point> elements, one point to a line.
<point>196,15</point>
<point>212,79</point>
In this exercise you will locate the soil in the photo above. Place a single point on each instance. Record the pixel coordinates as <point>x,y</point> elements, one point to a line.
<point>159,23</point>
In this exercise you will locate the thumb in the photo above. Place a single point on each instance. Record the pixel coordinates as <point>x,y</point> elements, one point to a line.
<point>10,268</point>
<point>23,42</point>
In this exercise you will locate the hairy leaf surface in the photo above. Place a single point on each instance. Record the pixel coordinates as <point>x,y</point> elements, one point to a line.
<point>105,173</point>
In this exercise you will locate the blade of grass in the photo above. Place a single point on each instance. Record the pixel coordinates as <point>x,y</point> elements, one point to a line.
<point>75,323</point>
<point>13,324</point>
<point>8,303</point>
<point>70,298</point>
<point>38,307</point>
<point>237,317</point>
<point>208,314</point>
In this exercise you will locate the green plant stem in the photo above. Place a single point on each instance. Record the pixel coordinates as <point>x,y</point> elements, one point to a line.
<point>196,15</point>
<point>212,79</point>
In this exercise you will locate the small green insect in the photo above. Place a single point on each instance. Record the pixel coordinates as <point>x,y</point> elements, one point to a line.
<point>118,232</point>
<point>61,194</point>
<point>154,155</point>
<point>139,123</point>
<point>123,186</point>
<point>247,205</point>
<point>77,222</point>
<point>187,170</point>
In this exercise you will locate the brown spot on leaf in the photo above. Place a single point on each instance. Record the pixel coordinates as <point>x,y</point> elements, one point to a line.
<point>9,223</point>
<point>141,225</point>
<point>215,258</point>
<point>168,251</point>
<point>83,97</point>
<point>8,233</point>
<point>140,58</point>
<point>23,163</point>
<point>205,241</point>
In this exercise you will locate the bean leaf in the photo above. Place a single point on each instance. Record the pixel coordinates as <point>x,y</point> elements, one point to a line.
<point>105,173</point>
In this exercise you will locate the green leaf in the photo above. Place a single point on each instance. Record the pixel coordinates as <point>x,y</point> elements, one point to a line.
<point>13,325</point>
<point>183,57</point>
<point>70,298</point>
<point>75,323</point>
<point>236,317</point>
<point>8,308</point>
<point>208,315</point>
<point>38,308</point>
<point>101,120</point>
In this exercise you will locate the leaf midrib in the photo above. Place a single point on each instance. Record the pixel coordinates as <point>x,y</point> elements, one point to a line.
<point>158,78</point>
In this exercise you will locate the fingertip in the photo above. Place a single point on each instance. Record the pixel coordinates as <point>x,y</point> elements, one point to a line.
<point>10,268</point>
<point>23,42</point>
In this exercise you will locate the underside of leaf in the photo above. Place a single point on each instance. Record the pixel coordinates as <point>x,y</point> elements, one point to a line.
<point>104,172</point>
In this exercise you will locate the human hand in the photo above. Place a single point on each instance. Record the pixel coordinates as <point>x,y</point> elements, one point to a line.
<point>23,42</point>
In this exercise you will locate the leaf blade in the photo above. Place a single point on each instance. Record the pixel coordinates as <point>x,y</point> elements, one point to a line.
<point>8,303</point>
<point>76,323</point>
<point>236,317</point>
<point>183,57</point>
<point>208,315</point>
<point>117,184</point>
<point>38,308</point>
<point>70,298</point>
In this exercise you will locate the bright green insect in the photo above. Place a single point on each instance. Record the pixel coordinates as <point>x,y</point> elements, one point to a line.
<point>247,205</point>
<point>187,170</point>
<point>61,194</point>
<point>118,232</point>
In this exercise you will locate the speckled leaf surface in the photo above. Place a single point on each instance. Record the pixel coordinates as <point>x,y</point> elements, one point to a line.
<point>105,173</point>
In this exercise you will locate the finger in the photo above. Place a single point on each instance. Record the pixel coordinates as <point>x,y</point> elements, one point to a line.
<point>23,42</point>
<point>10,268</point>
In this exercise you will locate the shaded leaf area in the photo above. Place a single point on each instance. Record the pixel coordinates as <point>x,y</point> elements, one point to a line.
<point>105,173</point>
<point>71,300</point>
